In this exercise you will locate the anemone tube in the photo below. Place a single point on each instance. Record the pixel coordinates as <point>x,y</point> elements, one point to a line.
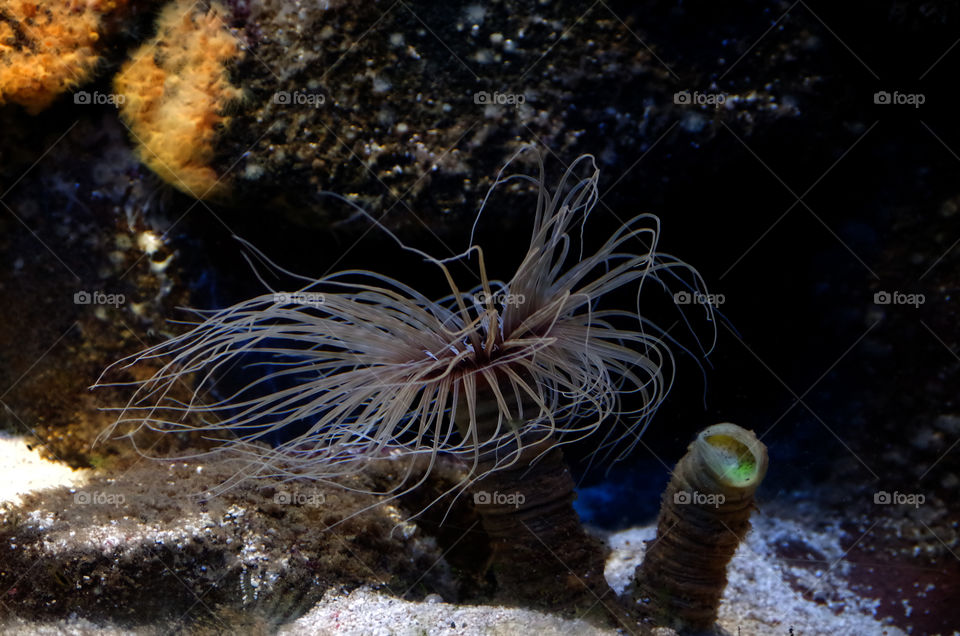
<point>540,551</point>
<point>704,516</point>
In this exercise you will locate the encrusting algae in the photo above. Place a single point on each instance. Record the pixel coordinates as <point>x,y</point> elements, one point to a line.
<point>49,48</point>
<point>175,89</point>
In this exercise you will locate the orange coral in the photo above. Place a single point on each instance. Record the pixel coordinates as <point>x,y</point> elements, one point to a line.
<point>47,48</point>
<point>175,89</point>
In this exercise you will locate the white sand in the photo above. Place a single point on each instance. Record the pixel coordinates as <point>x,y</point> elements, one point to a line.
<point>23,470</point>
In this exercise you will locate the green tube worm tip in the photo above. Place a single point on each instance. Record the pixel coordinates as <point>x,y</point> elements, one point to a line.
<point>734,454</point>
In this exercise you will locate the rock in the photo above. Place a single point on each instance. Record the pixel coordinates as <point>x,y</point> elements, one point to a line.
<point>152,546</point>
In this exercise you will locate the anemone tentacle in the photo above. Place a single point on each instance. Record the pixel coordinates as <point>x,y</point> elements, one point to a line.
<point>380,368</point>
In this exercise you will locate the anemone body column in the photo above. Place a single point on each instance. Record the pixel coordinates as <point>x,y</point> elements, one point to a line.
<point>704,516</point>
<point>541,554</point>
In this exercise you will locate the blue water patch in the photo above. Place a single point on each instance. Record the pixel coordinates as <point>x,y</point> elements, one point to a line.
<point>626,497</point>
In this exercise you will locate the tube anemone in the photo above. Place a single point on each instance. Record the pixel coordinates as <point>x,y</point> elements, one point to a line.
<point>498,375</point>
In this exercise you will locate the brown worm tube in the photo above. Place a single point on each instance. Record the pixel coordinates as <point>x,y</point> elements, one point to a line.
<point>704,516</point>
<point>541,555</point>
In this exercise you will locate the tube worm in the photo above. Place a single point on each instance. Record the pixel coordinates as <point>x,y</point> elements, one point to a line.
<point>704,516</point>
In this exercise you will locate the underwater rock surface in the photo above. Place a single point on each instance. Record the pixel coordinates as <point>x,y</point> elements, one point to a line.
<point>147,557</point>
<point>142,549</point>
<point>410,111</point>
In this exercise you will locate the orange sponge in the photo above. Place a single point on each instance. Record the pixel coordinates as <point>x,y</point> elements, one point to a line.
<point>49,47</point>
<point>175,90</point>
